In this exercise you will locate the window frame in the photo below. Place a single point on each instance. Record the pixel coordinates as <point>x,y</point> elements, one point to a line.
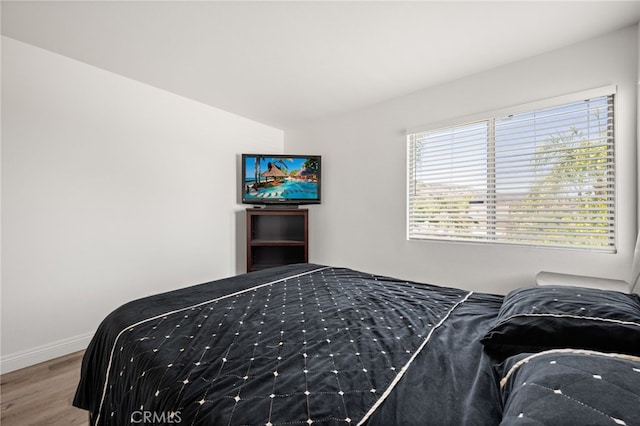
<point>491,117</point>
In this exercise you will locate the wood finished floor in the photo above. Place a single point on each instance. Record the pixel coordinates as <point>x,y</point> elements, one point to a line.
<point>42,394</point>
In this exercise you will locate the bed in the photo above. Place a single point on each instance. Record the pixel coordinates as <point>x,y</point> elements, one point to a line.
<point>311,344</point>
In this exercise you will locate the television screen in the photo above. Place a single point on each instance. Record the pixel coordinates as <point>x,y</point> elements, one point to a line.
<point>280,179</point>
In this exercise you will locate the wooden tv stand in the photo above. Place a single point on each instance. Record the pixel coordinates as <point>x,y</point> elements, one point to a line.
<point>276,237</point>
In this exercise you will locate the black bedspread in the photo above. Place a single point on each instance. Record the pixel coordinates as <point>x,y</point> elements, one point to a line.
<point>302,344</point>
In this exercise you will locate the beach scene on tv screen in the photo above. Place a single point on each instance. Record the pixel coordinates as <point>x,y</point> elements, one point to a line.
<point>281,178</point>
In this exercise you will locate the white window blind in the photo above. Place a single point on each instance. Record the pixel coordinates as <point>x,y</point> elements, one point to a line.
<point>544,177</point>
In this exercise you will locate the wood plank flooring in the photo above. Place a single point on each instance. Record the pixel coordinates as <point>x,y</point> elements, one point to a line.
<point>42,394</point>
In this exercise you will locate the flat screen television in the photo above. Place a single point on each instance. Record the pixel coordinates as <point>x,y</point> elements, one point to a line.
<point>280,179</point>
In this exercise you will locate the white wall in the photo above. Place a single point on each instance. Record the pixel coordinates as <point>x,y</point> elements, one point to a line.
<point>111,190</point>
<point>361,223</point>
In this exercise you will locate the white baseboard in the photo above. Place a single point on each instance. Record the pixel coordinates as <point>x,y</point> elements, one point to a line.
<point>29,357</point>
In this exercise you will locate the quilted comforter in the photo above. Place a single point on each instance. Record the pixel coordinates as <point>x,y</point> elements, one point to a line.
<point>306,344</point>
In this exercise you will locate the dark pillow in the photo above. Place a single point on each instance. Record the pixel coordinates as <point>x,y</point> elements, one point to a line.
<point>577,387</point>
<point>540,318</point>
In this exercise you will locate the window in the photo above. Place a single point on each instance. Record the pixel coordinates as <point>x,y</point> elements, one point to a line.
<point>542,177</point>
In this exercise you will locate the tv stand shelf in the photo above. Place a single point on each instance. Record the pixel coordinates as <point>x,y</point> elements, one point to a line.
<point>276,237</point>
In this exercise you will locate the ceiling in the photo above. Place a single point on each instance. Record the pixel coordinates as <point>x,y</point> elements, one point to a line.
<point>283,63</point>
